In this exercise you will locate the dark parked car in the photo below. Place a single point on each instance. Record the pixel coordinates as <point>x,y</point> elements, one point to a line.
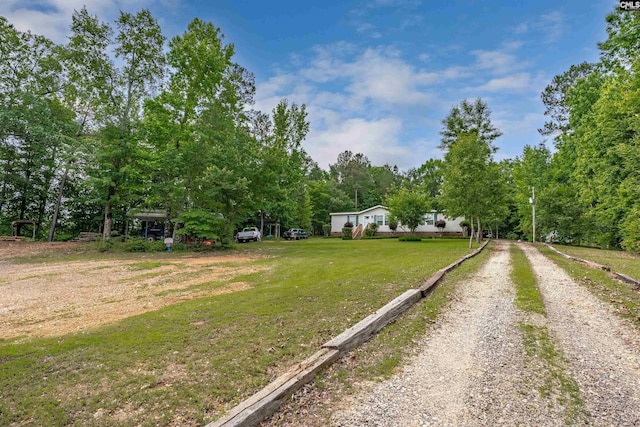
<point>295,234</point>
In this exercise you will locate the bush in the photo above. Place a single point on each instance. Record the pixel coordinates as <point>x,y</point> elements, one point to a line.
<point>326,229</point>
<point>347,233</point>
<point>441,223</point>
<point>410,239</point>
<point>104,245</point>
<point>63,237</point>
<point>370,231</point>
<point>348,224</point>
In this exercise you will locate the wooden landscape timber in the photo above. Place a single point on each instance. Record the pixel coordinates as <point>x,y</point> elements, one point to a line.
<point>432,281</point>
<point>363,330</point>
<point>265,402</point>
<point>252,411</point>
<point>619,276</point>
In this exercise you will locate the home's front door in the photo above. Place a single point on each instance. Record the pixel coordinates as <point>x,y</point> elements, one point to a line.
<point>366,220</point>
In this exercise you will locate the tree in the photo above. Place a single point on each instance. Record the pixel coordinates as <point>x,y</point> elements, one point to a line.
<point>198,128</point>
<point>35,125</point>
<point>139,48</point>
<point>468,187</point>
<point>408,208</point>
<point>531,170</point>
<point>426,179</point>
<point>467,177</point>
<point>466,118</point>
<point>555,94</point>
<point>282,163</point>
<point>352,173</point>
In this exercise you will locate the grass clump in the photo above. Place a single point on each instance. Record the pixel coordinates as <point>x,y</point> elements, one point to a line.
<point>528,296</point>
<point>145,265</point>
<point>557,383</point>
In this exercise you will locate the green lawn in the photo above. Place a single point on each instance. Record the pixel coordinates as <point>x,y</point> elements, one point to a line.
<point>622,262</point>
<point>185,364</point>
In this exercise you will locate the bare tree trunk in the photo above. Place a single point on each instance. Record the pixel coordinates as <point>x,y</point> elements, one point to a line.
<point>106,232</point>
<point>479,231</point>
<point>261,223</point>
<point>56,209</point>
<point>471,234</point>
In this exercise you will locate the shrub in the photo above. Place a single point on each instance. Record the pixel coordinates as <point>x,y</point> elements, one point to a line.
<point>370,231</point>
<point>348,224</point>
<point>441,223</point>
<point>326,229</point>
<point>410,239</point>
<point>347,233</point>
<point>103,245</point>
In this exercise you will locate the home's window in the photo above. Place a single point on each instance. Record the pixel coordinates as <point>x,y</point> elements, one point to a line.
<point>428,219</point>
<point>386,220</point>
<point>353,219</point>
<point>378,219</point>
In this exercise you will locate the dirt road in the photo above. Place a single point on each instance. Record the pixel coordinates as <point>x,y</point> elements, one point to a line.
<point>473,369</point>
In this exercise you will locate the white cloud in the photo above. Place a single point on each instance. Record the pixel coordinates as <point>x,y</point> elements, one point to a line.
<point>52,18</point>
<point>500,61</point>
<point>519,82</point>
<point>377,139</point>
<point>550,27</point>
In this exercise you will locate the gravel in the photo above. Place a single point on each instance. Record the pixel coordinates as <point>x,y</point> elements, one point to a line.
<point>469,370</point>
<point>472,370</point>
<point>603,349</point>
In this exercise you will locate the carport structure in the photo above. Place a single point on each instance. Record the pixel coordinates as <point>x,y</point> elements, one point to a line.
<point>154,223</point>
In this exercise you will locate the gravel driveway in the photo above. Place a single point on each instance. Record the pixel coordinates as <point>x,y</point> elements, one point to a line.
<point>603,349</point>
<point>472,369</point>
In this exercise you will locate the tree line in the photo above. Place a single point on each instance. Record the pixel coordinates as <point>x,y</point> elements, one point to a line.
<point>111,123</point>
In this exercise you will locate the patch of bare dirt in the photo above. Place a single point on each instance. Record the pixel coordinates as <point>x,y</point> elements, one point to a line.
<point>15,249</point>
<point>59,298</point>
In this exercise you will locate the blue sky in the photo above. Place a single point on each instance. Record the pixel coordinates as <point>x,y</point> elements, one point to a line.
<point>378,76</point>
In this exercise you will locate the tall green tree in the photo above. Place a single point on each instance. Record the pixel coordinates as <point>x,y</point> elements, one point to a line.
<point>408,208</point>
<point>466,118</point>
<point>197,126</point>
<point>283,163</point>
<point>467,180</point>
<point>532,171</point>
<point>352,173</point>
<point>34,123</point>
<point>138,48</point>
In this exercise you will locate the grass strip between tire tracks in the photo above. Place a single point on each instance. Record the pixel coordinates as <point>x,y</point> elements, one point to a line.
<point>557,385</point>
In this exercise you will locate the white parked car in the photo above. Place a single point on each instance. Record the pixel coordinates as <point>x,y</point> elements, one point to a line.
<point>249,233</point>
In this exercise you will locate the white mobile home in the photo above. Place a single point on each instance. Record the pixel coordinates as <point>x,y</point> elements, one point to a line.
<point>380,215</point>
